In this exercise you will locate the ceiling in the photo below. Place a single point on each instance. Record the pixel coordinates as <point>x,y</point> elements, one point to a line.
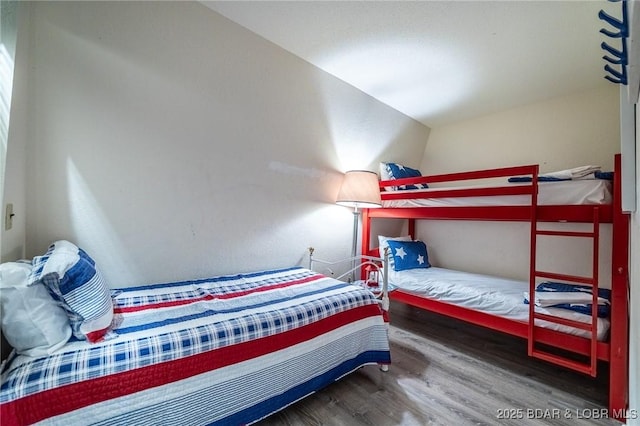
<point>441,61</point>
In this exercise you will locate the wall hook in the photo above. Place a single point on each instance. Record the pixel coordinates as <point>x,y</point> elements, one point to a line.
<point>616,57</point>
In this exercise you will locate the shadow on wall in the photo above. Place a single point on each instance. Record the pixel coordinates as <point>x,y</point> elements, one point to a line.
<point>5,348</point>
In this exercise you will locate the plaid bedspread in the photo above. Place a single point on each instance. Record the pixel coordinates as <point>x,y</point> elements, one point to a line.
<point>227,350</point>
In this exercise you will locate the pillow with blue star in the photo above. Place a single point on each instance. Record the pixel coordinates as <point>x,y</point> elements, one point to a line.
<point>409,255</point>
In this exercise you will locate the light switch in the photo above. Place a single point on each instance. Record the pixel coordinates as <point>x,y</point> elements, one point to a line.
<point>8,217</point>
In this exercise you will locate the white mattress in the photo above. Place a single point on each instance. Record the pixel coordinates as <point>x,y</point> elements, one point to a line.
<point>498,296</point>
<point>570,192</point>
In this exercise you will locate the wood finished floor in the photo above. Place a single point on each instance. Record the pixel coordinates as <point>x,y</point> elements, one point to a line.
<point>446,372</point>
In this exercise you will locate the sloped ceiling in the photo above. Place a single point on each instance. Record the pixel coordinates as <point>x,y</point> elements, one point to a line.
<point>441,61</point>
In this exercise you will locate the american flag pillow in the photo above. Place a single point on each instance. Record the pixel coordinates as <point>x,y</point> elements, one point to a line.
<point>392,171</point>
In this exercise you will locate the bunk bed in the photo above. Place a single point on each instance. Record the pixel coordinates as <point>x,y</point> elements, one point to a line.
<point>548,337</point>
<point>228,349</point>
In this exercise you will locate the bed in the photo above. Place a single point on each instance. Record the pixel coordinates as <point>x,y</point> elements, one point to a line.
<point>571,192</point>
<point>223,350</point>
<point>498,296</point>
<point>518,194</point>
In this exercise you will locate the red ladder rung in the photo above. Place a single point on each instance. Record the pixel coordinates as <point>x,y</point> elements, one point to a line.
<point>586,368</point>
<point>567,233</point>
<point>565,362</point>
<point>565,277</point>
<point>564,321</point>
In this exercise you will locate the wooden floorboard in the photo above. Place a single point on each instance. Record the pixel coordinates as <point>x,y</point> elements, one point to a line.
<point>446,372</point>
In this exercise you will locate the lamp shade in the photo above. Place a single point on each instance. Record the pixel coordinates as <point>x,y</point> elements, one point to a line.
<point>359,189</point>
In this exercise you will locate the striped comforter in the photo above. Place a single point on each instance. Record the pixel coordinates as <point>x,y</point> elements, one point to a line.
<point>225,350</point>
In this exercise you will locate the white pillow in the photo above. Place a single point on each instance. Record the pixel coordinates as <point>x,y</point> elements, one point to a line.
<point>382,244</point>
<point>32,321</point>
<point>384,175</point>
<point>384,172</point>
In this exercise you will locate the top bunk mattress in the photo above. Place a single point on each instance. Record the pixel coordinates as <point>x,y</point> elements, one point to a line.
<point>569,192</point>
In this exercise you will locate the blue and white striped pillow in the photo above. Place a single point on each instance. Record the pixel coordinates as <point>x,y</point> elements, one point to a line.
<point>72,278</point>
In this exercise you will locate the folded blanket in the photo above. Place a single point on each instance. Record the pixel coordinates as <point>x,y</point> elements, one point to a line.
<point>574,297</point>
<point>583,172</point>
<point>554,286</point>
<point>575,173</point>
<point>541,178</point>
<point>603,310</point>
<point>603,175</point>
<point>582,308</point>
<point>546,299</point>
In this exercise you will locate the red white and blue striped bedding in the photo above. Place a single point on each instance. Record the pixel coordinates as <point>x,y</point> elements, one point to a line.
<point>225,350</point>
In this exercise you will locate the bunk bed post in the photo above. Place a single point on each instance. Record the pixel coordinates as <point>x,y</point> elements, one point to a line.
<point>533,244</point>
<point>412,228</point>
<point>619,339</point>
<point>366,238</point>
<point>595,290</point>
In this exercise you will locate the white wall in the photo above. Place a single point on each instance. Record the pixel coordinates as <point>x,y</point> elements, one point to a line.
<point>557,134</point>
<point>634,320</point>
<point>569,131</point>
<point>171,143</point>
<point>634,298</point>
<point>10,187</point>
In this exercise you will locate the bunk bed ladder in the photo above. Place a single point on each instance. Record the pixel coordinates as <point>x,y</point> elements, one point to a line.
<point>589,367</point>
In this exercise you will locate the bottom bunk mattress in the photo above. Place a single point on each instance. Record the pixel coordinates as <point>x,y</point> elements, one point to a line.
<point>492,295</point>
<point>224,350</point>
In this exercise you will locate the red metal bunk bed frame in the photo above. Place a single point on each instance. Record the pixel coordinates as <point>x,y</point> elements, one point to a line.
<point>615,350</point>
